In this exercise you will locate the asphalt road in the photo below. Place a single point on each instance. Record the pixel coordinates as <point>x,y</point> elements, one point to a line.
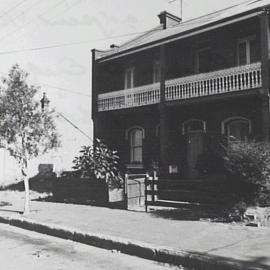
<point>26,250</point>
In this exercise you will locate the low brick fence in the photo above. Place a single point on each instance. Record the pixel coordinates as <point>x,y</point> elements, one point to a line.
<point>78,190</point>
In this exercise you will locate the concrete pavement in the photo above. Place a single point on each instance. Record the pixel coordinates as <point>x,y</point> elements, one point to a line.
<point>195,244</point>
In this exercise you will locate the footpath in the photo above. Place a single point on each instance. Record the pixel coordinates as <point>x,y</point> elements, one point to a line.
<point>194,244</point>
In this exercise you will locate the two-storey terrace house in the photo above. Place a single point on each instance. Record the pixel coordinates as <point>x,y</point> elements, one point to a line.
<point>167,95</point>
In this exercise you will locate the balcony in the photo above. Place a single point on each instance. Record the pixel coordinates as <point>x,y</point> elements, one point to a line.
<point>234,79</point>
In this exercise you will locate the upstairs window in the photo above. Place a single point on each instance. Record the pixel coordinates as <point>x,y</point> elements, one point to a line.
<point>156,72</point>
<point>247,51</point>
<point>203,60</point>
<point>129,78</point>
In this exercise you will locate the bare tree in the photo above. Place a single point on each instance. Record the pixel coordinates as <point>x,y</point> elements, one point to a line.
<point>26,130</point>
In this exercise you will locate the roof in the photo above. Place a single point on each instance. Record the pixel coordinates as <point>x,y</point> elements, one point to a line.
<point>158,34</point>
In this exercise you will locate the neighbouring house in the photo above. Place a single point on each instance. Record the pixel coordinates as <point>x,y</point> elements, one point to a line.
<point>55,161</point>
<point>165,97</point>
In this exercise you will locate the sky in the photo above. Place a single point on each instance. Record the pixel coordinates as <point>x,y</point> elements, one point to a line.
<point>64,71</point>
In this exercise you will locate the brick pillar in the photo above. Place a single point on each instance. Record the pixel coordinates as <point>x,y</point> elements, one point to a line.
<point>264,27</point>
<point>265,117</point>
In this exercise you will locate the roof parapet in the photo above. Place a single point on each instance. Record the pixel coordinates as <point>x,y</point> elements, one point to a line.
<point>167,19</point>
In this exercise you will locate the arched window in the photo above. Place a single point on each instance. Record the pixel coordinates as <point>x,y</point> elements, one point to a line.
<point>236,128</point>
<point>193,125</point>
<point>135,137</point>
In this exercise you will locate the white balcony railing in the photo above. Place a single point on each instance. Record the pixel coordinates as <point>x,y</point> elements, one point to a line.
<point>213,83</point>
<point>128,98</point>
<point>205,84</point>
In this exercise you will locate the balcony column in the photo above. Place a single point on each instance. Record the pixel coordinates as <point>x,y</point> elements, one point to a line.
<point>264,27</point>
<point>164,125</point>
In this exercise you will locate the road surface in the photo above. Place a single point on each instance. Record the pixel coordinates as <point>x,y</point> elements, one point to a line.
<point>26,250</point>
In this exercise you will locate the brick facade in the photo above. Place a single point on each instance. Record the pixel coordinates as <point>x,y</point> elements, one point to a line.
<point>167,137</point>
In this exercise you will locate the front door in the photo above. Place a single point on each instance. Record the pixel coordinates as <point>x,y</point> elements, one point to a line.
<point>194,149</point>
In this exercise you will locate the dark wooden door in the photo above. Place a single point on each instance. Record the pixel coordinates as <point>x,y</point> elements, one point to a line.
<point>194,149</point>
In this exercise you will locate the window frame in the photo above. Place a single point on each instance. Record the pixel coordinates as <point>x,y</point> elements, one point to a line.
<point>132,148</point>
<point>246,41</point>
<point>156,71</point>
<point>197,58</point>
<point>225,125</point>
<point>132,72</point>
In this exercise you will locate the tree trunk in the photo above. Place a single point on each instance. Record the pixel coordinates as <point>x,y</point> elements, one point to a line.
<point>26,187</point>
<point>27,196</point>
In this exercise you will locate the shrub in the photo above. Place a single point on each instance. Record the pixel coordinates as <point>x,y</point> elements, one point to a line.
<point>209,162</point>
<point>99,162</point>
<point>250,162</point>
<point>237,212</point>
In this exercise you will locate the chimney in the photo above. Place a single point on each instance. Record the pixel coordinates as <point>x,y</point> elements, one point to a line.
<point>113,46</point>
<point>167,19</point>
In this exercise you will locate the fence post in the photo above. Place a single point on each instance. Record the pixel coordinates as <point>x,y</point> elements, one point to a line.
<point>125,183</point>
<point>155,186</point>
<point>152,190</point>
<point>145,191</point>
<point>155,175</point>
<point>125,189</point>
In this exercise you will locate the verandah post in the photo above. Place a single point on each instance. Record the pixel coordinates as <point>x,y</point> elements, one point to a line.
<point>164,138</point>
<point>94,96</point>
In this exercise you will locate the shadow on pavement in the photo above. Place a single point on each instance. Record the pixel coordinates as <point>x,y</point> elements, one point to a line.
<point>3,203</point>
<point>209,214</point>
<point>209,261</point>
<point>38,184</point>
<point>11,211</point>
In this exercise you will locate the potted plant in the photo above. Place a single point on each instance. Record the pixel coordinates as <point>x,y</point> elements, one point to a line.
<point>101,163</point>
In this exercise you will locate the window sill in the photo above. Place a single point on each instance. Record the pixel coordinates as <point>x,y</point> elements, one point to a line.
<point>134,166</point>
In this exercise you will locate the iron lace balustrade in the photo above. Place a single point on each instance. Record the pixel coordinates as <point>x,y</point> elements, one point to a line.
<point>213,83</point>
<point>129,98</point>
<point>205,84</point>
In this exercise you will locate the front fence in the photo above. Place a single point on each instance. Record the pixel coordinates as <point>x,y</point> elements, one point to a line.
<point>193,194</point>
<point>166,193</point>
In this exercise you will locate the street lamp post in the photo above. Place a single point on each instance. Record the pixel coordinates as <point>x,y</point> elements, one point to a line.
<point>44,102</point>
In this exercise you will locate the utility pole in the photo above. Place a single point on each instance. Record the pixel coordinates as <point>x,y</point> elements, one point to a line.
<point>45,103</point>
